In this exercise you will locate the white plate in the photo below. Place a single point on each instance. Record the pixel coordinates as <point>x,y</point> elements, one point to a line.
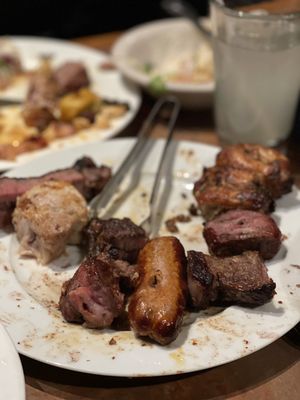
<point>29,292</point>
<point>158,42</point>
<point>11,374</point>
<point>108,84</point>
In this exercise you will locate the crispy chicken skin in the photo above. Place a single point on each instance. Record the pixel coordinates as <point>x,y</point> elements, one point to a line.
<point>47,217</point>
<point>156,307</point>
<point>221,189</point>
<point>270,167</point>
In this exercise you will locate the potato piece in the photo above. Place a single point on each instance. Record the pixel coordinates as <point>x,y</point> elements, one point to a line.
<point>72,104</point>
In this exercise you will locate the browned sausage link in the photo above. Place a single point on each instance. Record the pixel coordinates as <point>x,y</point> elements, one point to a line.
<point>156,308</point>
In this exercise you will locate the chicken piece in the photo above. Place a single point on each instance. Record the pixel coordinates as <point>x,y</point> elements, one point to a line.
<point>47,218</point>
<point>221,189</point>
<point>270,167</point>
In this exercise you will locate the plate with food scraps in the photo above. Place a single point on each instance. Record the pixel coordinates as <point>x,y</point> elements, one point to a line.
<point>11,373</point>
<point>99,106</point>
<point>30,292</point>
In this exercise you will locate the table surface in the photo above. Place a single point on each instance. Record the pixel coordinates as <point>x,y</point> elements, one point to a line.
<point>272,373</point>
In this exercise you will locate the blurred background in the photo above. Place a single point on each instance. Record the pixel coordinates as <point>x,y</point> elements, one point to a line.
<point>67,18</point>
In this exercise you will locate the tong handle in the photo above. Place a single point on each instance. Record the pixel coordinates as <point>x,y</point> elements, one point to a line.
<point>101,200</point>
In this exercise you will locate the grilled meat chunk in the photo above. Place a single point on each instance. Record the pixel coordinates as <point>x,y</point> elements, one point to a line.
<point>236,231</point>
<point>70,77</point>
<point>120,238</point>
<point>84,175</point>
<point>47,218</point>
<point>93,294</point>
<point>241,280</point>
<point>270,167</point>
<point>39,107</point>
<point>220,189</point>
<point>157,305</point>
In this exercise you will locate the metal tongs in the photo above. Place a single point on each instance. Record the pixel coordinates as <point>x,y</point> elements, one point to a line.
<point>99,202</point>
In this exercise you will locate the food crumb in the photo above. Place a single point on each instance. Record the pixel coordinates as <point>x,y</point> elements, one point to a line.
<point>113,357</point>
<point>279,302</point>
<point>171,223</point>
<point>246,341</point>
<point>193,210</point>
<point>112,341</point>
<point>298,285</point>
<point>183,195</point>
<point>194,342</point>
<point>295,266</point>
<point>291,292</point>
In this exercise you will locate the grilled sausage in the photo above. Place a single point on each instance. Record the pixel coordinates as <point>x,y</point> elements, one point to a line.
<point>156,308</point>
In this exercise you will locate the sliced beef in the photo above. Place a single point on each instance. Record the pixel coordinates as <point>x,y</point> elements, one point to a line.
<point>120,238</point>
<point>93,295</point>
<point>87,178</point>
<point>270,167</point>
<point>70,77</point>
<point>221,189</point>
<point>241,280</point>
<point>236,231</point>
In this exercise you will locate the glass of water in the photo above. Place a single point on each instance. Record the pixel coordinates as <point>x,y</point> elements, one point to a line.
<point>257,69</point>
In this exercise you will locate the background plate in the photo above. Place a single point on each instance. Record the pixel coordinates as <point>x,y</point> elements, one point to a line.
<point>29,292</point>
<point>108,84</point>
<point>11,374</point>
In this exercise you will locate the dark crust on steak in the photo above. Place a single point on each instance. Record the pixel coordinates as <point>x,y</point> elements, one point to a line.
<point>120,238</point>
<point>241,280</point>
<point>237,231</point>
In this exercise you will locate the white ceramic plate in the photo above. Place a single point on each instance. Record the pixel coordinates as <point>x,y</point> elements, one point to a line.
<point>108,84</point>
<point>29,292</point>
<point>158,42</point>
<point>11,374</point>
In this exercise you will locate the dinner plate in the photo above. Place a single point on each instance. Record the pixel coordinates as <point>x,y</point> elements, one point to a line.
<point>30,292</point>
<point>107,83</point>
<point>11,374</point>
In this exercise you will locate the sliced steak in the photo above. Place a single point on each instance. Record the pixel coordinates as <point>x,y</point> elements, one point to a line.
<point>93,295</point>
<point>70,77</point>
<point>237,231</point>
<point>241,280</point>
<point>87,178</point>
<point>120,238</point>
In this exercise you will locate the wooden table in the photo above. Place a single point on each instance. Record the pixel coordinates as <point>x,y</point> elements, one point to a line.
<point>272,373</point>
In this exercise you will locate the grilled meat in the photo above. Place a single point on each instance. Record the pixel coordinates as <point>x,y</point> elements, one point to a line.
<point>270,167</point>
<point>236,231</point>
<point>84,175</point>
<point>70,77</point>
<point>157,305</point>
<point>93,295</point>
<point>39,106</point>
<point>241,280</point>
<point>220,189</point>
<point>47,218</point>
<point>120,238</point>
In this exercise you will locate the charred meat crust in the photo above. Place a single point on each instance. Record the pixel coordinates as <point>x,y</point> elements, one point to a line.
<point>156,307</point>
<point>270,167</point>
<point>236,231</point>
<point>241,280</point>
<point>120,238</point>
<point>221,189</point>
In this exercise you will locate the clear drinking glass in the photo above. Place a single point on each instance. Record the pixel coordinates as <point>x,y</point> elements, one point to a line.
<point>257,69</point>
